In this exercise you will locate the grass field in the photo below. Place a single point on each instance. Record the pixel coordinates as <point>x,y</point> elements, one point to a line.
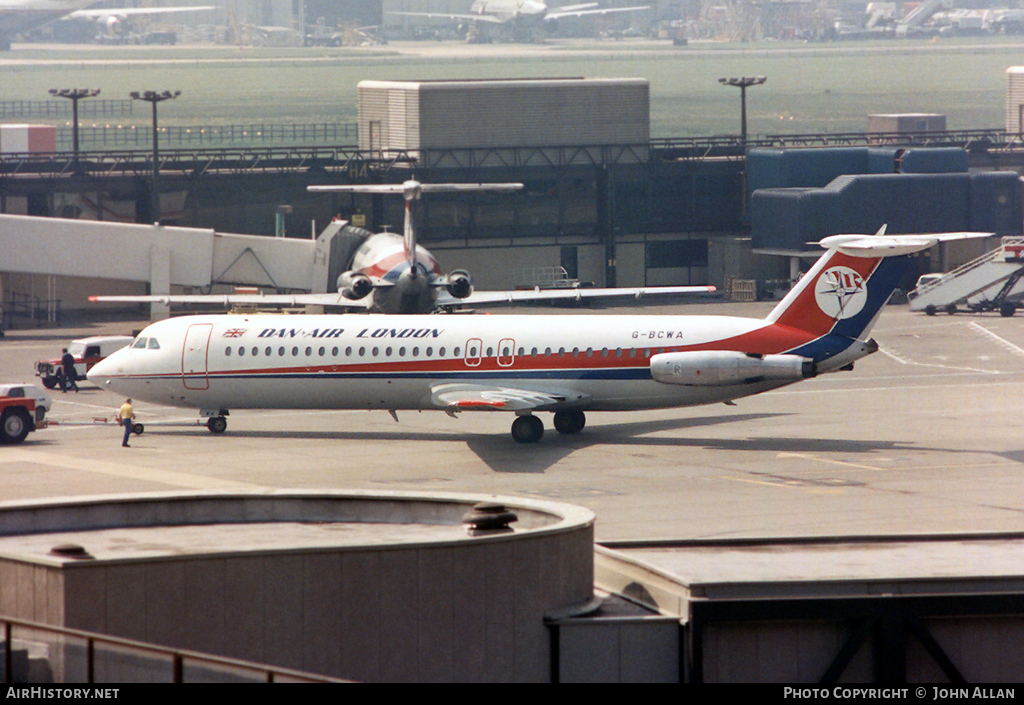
<point>810,88</point>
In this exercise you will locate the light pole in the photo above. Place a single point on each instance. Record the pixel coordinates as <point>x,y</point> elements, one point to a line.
<point>153,98</point>
<point>743,84</point>
<point>74,95</point>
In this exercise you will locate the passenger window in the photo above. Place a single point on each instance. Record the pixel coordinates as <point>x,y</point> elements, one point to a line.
<point>268,352</point>
<point>430,351</point>
<point>362,351</point>
<point>255,351</point>
<point>241,352</point>
<point>295,352</point>
<point>309,352</point>
<point>456,352</point>
<point>154,344</point>
<point>375,352</point>
<point>334,352</point>
<point>348,351</point>
<point>280,351</point>
<point>415,352</point>
<point>227,352</point>
<point>388,352</point>
<point>322,351</point>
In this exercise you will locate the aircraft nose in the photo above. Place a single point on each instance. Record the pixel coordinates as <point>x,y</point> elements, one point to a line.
<point>102,371</point>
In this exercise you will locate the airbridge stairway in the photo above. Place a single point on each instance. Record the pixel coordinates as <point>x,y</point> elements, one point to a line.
<point>983,284</point>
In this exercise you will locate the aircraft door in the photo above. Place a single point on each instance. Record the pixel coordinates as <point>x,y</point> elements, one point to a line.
<point>506,352</point>
<point>194,355</point>
<point>474,352</point>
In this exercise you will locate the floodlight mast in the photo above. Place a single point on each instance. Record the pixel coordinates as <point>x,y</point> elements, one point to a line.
<point>743,84</point>
<point>154,97</point>
<point>74,95</point>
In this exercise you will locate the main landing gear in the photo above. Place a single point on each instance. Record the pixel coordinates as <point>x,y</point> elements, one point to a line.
<point>529,428</point>
<point>217,423</point>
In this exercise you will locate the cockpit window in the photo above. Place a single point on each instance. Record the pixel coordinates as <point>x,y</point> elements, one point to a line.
<point>140,343</point>
<point>154,344</point>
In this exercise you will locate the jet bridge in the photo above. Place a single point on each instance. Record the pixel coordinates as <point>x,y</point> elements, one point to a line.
<point>163,256</point>
<point>983,284</point>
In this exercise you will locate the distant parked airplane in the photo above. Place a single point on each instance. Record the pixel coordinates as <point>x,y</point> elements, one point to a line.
<point>22,15</point>
<point>525,16</point>
<point>390,273</point>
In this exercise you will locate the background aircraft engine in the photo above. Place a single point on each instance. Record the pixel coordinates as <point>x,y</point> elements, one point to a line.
<point>460,284</point>
<point>354,286</point>
<point>723,367</point>
<point>114,24</point>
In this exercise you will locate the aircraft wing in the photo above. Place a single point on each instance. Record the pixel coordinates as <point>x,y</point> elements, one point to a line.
<point>444,299</point>
<point>127,11</point>
<point>480,298</point>
<point>241,299</point>
<point>483,397</point>
<point>568,12</point>
<point>472,18</point>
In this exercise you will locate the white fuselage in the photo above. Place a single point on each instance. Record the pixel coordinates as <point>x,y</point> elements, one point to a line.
<point>21,15</point>
<point>393,362</point>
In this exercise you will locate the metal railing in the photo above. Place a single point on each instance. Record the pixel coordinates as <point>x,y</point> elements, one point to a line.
<point>291,159</point>
<point>41,653</point>
<point>121,136</point>
<point>30,308</point>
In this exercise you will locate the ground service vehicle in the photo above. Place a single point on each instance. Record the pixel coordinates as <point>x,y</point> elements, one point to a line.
<point>86,351</point>
<point>18,419</point>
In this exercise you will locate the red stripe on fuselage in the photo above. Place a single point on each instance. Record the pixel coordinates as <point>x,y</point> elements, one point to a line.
<point>767,340</point>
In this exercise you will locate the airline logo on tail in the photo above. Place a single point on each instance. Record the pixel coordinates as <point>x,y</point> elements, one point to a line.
<point>841,293</point>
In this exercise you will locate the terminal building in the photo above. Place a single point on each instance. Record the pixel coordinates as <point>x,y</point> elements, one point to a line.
<point>601,198</point>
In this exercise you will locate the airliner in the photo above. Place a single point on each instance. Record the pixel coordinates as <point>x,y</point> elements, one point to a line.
<point>391,273</point>
<point>22,15</point>
<point>523,15</point>
<point>522,364</point>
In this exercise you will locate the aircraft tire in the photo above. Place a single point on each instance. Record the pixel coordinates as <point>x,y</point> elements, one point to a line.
<point>217,424</point>
<point>570,421</point>
<point>1007,309</point>
<point>527,429</point>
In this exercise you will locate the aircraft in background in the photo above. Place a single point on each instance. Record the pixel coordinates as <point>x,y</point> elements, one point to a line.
<point>522,364</point>
<point>22,15</point>
<point>524,16</point>
<point>391,273</point>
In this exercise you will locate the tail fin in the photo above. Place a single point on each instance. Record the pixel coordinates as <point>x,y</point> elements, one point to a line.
<point>842,294</point>
<point>845,290</point>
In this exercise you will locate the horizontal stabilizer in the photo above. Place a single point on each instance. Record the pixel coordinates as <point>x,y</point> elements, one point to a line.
<point>881,245</point>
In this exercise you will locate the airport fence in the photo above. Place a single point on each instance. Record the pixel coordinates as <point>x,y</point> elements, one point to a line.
<point>94,107</point>
<point>128,136</point>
